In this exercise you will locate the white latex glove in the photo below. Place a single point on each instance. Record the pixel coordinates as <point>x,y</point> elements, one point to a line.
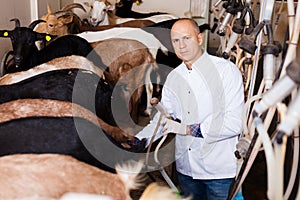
<point>171,126</point>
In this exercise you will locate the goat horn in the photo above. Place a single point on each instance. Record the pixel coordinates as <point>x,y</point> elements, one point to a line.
<point>59,14</point>
<point>17,21</point>
<point>34,23</point>
<point>73,5</point>
<point>49,10</point>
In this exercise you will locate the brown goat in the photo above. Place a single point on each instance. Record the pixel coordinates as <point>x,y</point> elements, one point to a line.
<point>56,176</point>
<point>49,176</point>
<point>130,63</point>
<point>58,23</point>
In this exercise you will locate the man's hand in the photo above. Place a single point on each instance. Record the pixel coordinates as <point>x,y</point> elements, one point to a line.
<point>171,126</point>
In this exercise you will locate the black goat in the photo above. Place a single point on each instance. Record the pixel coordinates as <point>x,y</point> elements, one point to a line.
<point>124,9</point>
<point>46,134</point>
<point>26,54</point>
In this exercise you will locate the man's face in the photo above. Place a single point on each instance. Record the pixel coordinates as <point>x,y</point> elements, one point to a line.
<point>186,41</point>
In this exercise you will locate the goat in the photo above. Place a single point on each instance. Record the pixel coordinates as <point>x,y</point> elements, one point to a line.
<point>124,9</point>
<point>98,12</point>
<point>43,131</point>
<point>130,65</point>
<point>63,46</point>
<point>138,34</point>
<point>134,34</point>
<point>100,15</point>
<point>61,22</point>
<point>132,24</point>
<point>26,54</point>
<point>62,177</point>
<point>50,176</point>
<point>52,126</point>
<point>61,79</point>
<point>66,22</point>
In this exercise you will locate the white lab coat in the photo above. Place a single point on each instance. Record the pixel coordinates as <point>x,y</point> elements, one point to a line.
<point>211,94</point>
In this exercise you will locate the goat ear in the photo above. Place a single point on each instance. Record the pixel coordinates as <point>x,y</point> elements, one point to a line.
<point>67,20</point>
<point>4,33</point>
<point>88,4</point>
<point>111,7</point>
<point>45,36</point>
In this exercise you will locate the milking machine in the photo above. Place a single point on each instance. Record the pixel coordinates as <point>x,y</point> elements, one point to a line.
<point>279,91</point>
<point>232,7</point>
<point>155,102</point>
<point>256,133</point>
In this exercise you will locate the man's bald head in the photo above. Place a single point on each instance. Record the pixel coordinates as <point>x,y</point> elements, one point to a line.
<point>186,22</point>
<point>186,40</point>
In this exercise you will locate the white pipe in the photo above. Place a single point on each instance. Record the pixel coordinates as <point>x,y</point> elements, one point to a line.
<point>278,16</point>
<point>257,53</point>
<point>268,11</point>
<point>290,123</point>
<point>291,51</point>
<point>250,120</point>
<point>155,102</point>
<point>292,118</point>
<point>278,92</point>
<point>294,169</point>
<point>279,150</point>
<point>291,16</point>
<point>233,38</point>
<point>269,70</point>
<point>245,111</point>
<point>270,158</point>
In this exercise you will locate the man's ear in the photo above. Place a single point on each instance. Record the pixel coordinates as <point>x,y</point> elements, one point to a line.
<point>200,38</point>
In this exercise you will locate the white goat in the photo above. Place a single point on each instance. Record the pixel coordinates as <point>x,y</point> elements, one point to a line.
<point>99,15</point>
<point>138,34</point>
<point>98,12</point>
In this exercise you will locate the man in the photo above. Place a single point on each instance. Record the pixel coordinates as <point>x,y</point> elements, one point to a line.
<point>205,96</point>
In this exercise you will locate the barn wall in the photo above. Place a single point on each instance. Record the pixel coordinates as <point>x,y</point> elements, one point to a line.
<point>22,10</point>
<point>169,6</point>
<point>178,7</point>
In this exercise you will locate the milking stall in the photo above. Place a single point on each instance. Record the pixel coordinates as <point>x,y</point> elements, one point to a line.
<point>83,81</point>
